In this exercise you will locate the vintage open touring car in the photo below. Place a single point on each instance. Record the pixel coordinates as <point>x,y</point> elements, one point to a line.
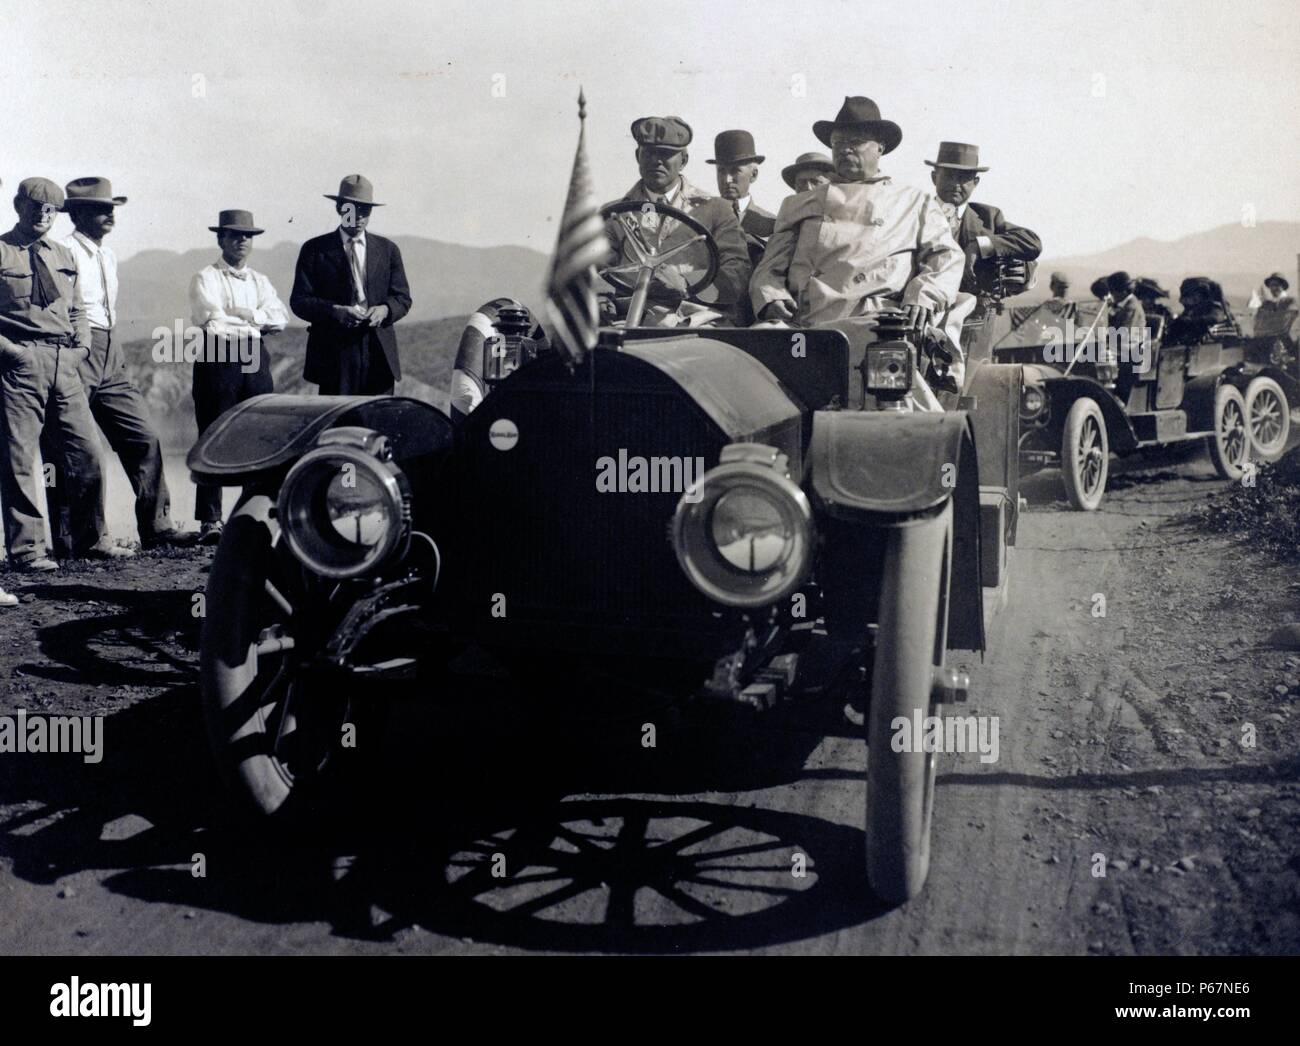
<point>827,515</point>
<point>1228,391</point>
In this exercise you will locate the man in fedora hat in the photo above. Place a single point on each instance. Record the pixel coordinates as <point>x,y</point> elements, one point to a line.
<point>983,234</point>
<point>661,154</point>
<point>808,171</point>
<point>351,287</point>
<point>737,160</point>
<point>43,336</point>
<point>116,404</point>
<point>860,243</point>
<point>236,308</point>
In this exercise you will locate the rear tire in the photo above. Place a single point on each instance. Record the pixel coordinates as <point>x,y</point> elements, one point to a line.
<point>1085,455</point>
<point>911,636</point>
<point>1229,444</point>
<point>1268,415</point>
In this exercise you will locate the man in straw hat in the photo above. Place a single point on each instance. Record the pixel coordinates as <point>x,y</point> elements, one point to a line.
<point>351,287</point>
<point>43,336</point>
<point>860,243</point>
<point>808,171</point>
<point>116,404</point>
<point>236,307</point>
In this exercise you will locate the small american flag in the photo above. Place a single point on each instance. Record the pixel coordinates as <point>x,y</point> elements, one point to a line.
<point>582,244</point>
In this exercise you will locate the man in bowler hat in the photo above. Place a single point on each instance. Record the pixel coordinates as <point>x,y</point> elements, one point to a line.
<point>350,286</point>
<point>737,161</point>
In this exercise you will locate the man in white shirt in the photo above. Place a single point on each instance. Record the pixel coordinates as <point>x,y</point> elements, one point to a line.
<point>236,307</point>
<point>116,403</point>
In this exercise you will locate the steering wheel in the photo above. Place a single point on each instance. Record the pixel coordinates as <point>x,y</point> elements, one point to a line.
<point>648,258</point>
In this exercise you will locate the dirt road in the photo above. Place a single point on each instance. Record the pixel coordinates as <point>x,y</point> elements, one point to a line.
<point>1124,747</point>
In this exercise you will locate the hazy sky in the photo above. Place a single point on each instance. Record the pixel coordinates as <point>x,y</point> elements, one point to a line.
<point>1101,121</point>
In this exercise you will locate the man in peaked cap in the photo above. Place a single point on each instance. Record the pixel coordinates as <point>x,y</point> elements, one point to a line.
<point>116,404</point>
<point>43,337</point>
<point>1060,304</point>
<point>236,308</point>
<point>860,243</point>
<point>661,154</point>
<point>350,285</point>
<point>808,171</point>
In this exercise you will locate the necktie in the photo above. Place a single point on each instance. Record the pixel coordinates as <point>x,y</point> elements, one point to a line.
<point>950,212</point>
<point>735,206</point>
<point>108,298</point>
<point>45,291</point>
<point>358,279</point>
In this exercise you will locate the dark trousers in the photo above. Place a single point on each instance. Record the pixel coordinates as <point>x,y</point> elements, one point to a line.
<point>217,388</point>
<point>119,410</point>
<point>361,369</point>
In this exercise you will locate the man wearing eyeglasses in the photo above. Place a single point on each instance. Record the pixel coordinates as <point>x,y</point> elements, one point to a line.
<point>44,335</point>
<point>859,243</point>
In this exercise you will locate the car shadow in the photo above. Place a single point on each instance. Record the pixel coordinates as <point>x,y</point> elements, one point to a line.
<point>483,818</point>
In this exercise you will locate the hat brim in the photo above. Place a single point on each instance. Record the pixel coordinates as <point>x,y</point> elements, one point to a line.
<point>1275,278</point>
<point>351,199</point>
<point>116,201</point>
<point>954,166</point>
<point>236,228</point>
<point>891,134</point>
<point>738,161</point>
<point>788,173</point>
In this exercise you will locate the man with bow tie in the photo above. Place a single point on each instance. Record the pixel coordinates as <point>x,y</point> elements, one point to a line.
<point>661,155</point>
<point>236,307</point>
<point>44,335</point>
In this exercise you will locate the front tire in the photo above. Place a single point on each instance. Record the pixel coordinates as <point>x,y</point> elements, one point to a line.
<point>1268,415</point>
<point>270,732</point>
<point>912,633</point>
<point>1085,455</point>
<point>1229,445</point>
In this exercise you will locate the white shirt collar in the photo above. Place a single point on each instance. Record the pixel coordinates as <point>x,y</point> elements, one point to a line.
<point>90,245</point>
<point>742,204</point>
<point>669,197</point>
<point>225,266</point>
<point>359,239</point>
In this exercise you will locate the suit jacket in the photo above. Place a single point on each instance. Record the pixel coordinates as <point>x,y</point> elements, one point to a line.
<point>757,225</point>
<point>323,279</point>
<point>1005,241</point>
<point>732,279</point>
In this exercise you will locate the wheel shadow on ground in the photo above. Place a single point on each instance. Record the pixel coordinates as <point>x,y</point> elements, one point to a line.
<point>484,824</point>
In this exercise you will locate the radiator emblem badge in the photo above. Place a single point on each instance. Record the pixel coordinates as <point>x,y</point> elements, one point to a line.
<point>503,434</point>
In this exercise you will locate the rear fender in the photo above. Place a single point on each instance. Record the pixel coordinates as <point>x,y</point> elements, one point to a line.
<point>874,470</point>
<point>1198,397</point>
<point>995,418</point>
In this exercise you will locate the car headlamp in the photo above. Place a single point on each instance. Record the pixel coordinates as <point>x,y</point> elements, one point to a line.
<point>744,533</point>
<point>1032,402</point>
<point>344,508</point>
<point>887,368</point>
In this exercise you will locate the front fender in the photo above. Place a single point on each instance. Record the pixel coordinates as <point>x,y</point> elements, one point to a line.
<point>873,470</point>
<point>1063,391</point>
<point>261,436</point>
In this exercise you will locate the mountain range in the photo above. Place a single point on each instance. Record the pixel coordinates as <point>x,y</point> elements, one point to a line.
<point>1238,256</point>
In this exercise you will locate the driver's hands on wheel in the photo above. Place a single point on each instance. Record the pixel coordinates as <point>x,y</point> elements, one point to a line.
<point>668,285</point>
<point>777,310</point>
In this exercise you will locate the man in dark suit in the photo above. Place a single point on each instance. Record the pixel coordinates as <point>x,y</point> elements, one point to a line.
<point>737,160</point>
<point>350,286</point>
<point>981,231</point>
